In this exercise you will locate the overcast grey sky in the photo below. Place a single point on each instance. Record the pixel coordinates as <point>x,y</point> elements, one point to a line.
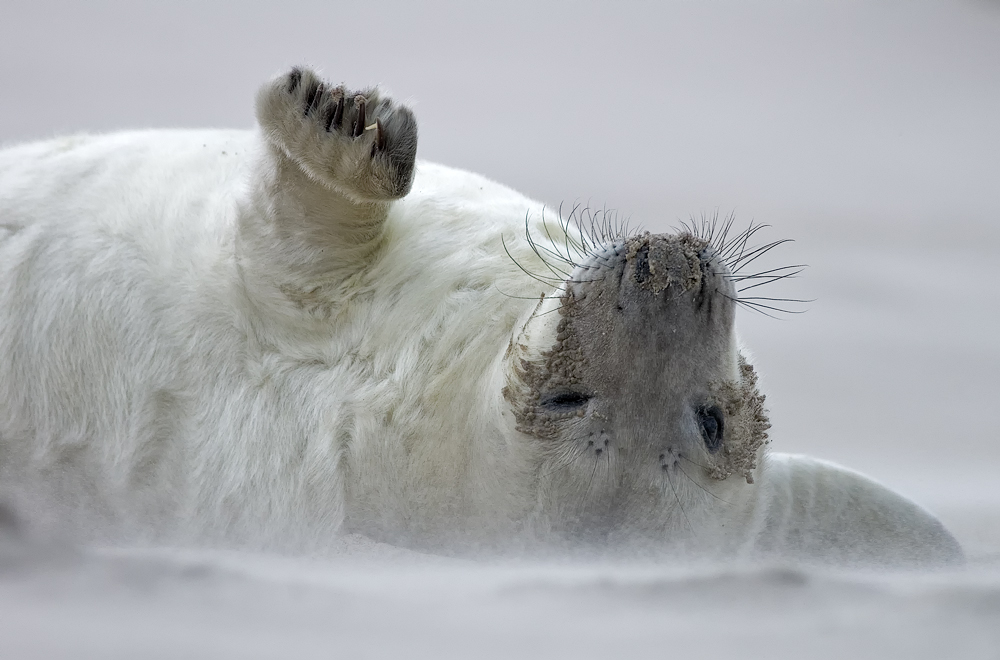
<point>661,109</point>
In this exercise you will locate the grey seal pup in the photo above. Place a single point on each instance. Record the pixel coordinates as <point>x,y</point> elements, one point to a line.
<point>269,338</point>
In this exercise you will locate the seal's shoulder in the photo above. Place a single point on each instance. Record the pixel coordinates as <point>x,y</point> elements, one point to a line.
<point>456,185</point>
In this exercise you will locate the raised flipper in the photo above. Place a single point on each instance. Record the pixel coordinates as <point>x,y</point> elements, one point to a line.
<point>359,143</point>
<point>332,162</point>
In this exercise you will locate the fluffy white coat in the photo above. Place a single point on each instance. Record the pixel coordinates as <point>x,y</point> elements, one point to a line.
<point>176,365</point>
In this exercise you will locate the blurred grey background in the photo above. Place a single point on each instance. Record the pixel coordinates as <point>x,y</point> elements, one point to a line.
<point>865,130</point>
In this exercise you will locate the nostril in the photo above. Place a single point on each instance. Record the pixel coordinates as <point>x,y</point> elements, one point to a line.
<point>642,271</point>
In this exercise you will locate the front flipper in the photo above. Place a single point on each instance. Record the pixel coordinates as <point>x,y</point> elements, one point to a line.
<point>331,164</point>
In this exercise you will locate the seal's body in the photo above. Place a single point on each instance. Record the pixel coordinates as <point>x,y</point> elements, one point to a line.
<point>274,337</point>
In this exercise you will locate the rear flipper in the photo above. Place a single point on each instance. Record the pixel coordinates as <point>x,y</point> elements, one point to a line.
<point>819,511</point>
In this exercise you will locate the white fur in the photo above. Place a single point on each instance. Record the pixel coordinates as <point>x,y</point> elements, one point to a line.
<point>174,366</point>
<point>139,354</point>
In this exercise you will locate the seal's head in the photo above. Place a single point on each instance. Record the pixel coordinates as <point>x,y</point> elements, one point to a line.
<point>630,386</point>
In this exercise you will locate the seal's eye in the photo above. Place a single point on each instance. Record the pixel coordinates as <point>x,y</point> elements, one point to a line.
<point>565,401</point>
<point>712,427</point>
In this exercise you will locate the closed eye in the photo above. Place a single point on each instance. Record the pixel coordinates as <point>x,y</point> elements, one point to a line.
<point>713,425</point>
<point>565,401</point>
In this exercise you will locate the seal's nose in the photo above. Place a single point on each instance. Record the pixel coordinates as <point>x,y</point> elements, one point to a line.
<point>660,262</point>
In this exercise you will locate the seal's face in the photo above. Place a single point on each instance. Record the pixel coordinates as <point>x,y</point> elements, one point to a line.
<point>632,389</point>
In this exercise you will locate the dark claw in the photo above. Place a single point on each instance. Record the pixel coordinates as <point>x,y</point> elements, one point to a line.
<point>379,135</point>
<point>311,93</point>
<point>315,99</point>
<point>294,78</point>
<point>338,114</point>
<point>359,125</point>
<point>329,112</point>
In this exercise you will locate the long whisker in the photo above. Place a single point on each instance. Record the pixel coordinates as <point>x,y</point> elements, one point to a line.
<point>586,234</point>
<point>766,273</point>
<point>525,270</point>
<point>679,505</point>
<point>726,227</point>
<point>770,279</point>
<point>759,307</point>
<point>587,248</point>
<point>767,278</point>
<point>738,246</point>
<point>794,300</point>
<point>707,491</point>
<point>535,248</point>
<point>564,459</point>
<point>552,241</point>
<point>565,228</point>
<point>586,494</point>
<point>535,298</point>
<point>755,254</point>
